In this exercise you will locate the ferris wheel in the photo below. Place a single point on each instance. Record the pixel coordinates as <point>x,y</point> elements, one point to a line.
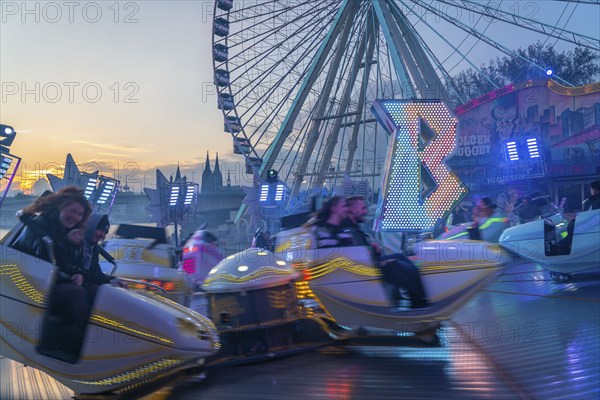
<point>296,78</point>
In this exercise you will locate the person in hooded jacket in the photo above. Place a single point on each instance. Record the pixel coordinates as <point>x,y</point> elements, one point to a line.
<point>96,229</point>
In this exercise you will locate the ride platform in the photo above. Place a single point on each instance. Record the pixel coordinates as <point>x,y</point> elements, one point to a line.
<point>523,336</point>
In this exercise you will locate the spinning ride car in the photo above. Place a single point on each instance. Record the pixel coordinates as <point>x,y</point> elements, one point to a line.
<point>131,338</point>
<point>539,242</point>
<point>537,206</point>
<point>266,304</point>
<point>348,286</point>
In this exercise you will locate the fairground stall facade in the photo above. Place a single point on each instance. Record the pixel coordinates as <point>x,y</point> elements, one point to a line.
<point>532,136</point>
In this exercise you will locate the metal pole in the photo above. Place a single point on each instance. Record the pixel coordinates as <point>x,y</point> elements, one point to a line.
<point>176,236</point>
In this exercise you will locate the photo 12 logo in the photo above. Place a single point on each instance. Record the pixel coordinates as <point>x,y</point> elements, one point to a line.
<point>71,92</point>
<point>53,12</point>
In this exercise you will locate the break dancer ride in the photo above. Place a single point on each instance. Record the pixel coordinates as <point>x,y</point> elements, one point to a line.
<point>263,304</point>
<point>271,304</point>
<point>266,304</point>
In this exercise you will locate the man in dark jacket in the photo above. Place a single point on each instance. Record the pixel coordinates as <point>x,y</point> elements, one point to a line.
<point>396,269</point>
<point>592,202</point>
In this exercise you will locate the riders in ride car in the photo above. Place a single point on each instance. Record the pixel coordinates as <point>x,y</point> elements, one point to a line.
<point>95,232</point>
<point>396,269</point>
<point>59,217</point>
<point>326,225</point>
<point>488,223</point>
<point>592,202</point>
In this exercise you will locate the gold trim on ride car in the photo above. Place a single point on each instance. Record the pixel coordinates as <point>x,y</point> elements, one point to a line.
<point>16,276</point>
<point>138,373</point>
<point>100,319</point>
<point>257,274</point>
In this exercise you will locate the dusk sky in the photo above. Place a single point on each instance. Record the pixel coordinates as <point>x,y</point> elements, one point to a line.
<point>126,87</point>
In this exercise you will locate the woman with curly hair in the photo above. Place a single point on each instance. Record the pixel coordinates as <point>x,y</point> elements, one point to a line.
<point>53,215</point>
<point>60,216</point>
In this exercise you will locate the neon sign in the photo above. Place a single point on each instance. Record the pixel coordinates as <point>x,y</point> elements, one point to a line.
<point>418,188</point>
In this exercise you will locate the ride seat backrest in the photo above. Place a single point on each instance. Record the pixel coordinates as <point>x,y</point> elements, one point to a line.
<point>14,234</point>
<point>549,231</point>
<point>549,238</point>
<point>547,209</point>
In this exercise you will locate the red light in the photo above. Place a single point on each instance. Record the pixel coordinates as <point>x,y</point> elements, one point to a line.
<point>306,275</point>
<point>189,266</point>
<point>190,249</point>
<point>157,283</point>
<point>169,285</point>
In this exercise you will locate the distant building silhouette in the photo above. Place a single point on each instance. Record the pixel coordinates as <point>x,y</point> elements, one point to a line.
<point>217,203</point>
<point>212,182</point>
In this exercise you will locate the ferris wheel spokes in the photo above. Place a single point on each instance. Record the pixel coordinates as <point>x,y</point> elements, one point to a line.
<point>342,109</point>
<point>302,102</point>
<point>531,24</point>
<point>313,134</point>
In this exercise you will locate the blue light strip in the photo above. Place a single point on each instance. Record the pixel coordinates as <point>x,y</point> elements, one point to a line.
<point>264,193</point>
<point>532,146</point>
<point>279,193</point>
<point>511,148</point>
<point>174,195</point>
<point>189,195</point>
<point>90,187</point>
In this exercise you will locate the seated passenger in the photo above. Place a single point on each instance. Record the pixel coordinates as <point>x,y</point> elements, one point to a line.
<point>53,215</point>
<point>527,210</point>
<point>592,202</point>
<point>396,268</point>
<point>60,217</point>
<point>96,230</point>
<point>263,240</point>
<point>488,223</point>
<point>326,225</point>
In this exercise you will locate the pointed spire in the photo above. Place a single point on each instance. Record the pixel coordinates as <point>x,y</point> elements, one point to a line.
<point>207,177</point>
<point>217,176</point>
<point>207,165</point>
<point>177,173</point>
<point>217,169</point>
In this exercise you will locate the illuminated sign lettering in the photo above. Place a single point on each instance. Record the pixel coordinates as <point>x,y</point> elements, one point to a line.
<point>418,188</point>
